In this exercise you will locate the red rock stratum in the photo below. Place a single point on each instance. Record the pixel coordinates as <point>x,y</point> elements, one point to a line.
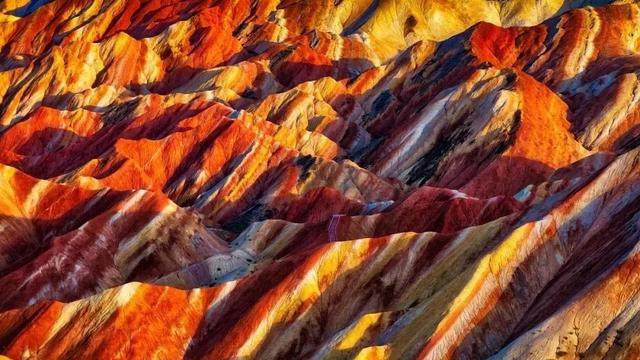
<point>349,179</point>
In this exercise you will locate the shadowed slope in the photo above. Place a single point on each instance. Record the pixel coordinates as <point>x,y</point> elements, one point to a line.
<point>244,179</point>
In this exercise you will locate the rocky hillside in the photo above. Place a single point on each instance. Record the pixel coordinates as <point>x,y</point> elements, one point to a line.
<point>320,179</point>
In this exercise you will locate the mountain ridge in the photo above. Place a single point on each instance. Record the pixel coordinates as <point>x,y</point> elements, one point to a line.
<point>245,179</point>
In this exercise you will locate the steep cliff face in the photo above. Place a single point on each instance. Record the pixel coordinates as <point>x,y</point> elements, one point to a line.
<point>243,179</point>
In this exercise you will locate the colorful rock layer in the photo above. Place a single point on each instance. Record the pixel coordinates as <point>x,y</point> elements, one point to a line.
<point>349,179</point>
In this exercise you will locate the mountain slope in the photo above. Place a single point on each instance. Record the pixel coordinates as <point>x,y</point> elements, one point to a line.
<point>243,179</point>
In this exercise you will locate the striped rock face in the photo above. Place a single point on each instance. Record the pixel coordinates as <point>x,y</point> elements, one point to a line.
<point>349,179</point>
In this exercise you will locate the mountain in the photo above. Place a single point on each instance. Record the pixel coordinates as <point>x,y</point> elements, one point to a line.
<point>348,179</point>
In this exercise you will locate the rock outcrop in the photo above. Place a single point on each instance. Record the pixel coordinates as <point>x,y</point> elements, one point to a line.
<point>244,179</point>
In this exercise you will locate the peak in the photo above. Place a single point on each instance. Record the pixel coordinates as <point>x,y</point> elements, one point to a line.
<point>285,179</point>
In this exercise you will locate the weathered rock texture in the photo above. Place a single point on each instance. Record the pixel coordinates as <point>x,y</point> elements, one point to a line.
<point>349,179</point>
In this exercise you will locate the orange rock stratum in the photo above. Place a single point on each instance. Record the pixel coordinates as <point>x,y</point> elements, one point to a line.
<point>320,179</point>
